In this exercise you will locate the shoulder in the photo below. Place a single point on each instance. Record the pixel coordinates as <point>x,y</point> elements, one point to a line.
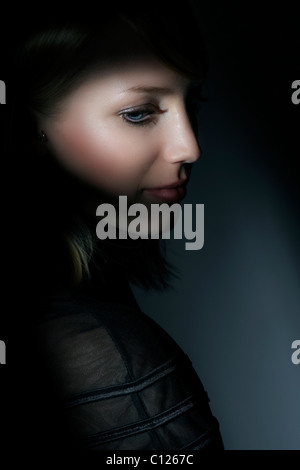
<point>97,344</point>
<point>123,383</point>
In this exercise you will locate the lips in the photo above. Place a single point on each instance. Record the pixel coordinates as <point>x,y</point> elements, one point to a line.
<point>174,192</point>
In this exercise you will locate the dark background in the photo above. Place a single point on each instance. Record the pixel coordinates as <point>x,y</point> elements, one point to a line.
<point>236,308</point>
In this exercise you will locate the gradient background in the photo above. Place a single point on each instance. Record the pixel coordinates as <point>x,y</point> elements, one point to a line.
<point>236,307</point>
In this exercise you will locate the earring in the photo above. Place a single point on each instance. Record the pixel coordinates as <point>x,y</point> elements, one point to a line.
<point>42,137</point>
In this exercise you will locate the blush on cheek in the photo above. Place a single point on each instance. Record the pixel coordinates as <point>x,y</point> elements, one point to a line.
<point>76,153</point>
<point>96,161</point>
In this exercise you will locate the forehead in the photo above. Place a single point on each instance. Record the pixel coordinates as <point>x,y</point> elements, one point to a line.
<point>139,74</point>
<point>127,78</point>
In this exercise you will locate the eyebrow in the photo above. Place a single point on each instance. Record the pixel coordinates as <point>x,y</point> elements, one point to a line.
<point>151,89</point>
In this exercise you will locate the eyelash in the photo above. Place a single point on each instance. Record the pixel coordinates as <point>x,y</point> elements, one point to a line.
<point>148,115</point>
<point>149,112</point>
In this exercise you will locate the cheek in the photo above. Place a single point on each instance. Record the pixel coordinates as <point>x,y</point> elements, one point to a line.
<point>113,160</point>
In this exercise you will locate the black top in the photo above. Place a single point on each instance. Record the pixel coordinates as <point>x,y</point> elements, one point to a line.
<point>115,378</point>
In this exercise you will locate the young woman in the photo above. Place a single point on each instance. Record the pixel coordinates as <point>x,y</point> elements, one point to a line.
<point>101,109</point>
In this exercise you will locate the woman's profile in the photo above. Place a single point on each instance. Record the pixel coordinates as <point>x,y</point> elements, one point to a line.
<point>106,107</point>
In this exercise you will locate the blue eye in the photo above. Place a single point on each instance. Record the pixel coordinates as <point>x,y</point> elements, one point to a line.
<point>135,116</point>
<point>139,116</point>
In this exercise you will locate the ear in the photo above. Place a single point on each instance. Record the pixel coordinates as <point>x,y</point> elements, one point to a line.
<point>39,137</point>
<point>39,142</point>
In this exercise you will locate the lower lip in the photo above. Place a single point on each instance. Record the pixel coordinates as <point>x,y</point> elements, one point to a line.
<point>166,194</point>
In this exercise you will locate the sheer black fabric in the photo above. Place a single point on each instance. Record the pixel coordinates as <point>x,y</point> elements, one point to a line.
<point>118,379</point>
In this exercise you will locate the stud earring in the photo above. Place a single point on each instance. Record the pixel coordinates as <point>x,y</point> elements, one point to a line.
<point>41,137</point>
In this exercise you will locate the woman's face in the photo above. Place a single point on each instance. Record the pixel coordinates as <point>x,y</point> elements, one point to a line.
<point>126,131</point>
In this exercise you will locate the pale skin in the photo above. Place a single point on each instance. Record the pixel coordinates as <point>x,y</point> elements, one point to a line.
<point>126,131</point>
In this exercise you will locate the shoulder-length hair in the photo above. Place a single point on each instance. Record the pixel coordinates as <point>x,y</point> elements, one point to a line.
<point>52,57</point>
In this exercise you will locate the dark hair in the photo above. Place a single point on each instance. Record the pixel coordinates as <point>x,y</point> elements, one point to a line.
<point>53,57</point>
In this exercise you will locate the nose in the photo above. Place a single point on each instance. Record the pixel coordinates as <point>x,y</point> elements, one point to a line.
<point>181,145</point>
